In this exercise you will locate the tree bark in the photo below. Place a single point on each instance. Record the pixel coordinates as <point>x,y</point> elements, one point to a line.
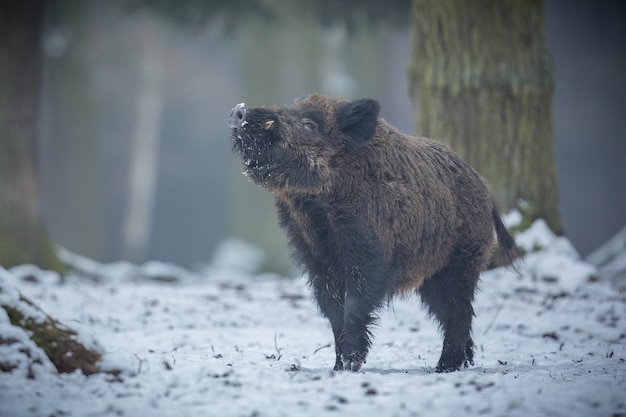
<point>58,342</point>
<point>482,81</point>
<point>23,238</point>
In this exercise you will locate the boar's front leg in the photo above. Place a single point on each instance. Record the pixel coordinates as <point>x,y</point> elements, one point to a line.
<point>364,295</point>
<point>330,297</point>
<point>349,303</point>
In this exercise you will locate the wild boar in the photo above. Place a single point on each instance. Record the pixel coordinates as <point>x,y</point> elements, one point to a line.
<point>372,213</point>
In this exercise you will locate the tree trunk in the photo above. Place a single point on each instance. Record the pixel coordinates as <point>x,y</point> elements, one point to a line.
<point>23,238</point>
<point>482,81</point>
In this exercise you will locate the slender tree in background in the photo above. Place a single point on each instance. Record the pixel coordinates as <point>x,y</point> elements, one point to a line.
<point>145,146</point>
<point>482,81</point>
<point>23,237</point>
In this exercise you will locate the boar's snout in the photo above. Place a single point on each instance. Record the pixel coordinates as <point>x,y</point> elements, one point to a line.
<point>237,117</point>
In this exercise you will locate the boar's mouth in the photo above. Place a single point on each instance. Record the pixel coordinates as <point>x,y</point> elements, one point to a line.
<point>251,137</point>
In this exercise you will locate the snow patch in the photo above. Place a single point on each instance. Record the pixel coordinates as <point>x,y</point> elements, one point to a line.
<point>10,297</point>
<point>228,343</point>
<point>83,267</point>
<point>237,256</point>
<point>19,355</point>
<point>512,219</point>
<point>539,237</point>
<point>610,259</point>
<point>553,259</point>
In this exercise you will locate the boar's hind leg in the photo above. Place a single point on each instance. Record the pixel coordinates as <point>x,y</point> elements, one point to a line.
<point>449,295</point>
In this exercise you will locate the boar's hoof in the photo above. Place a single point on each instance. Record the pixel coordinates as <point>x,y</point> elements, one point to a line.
<point>352,362</point>
<point>452,365</point>
<point>444,368</point>
<point>353,366</point>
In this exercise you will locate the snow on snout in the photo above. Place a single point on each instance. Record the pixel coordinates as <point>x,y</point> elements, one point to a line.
<point>237,117</point>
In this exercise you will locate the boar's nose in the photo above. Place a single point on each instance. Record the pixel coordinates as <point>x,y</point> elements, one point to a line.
<point>238,116</point>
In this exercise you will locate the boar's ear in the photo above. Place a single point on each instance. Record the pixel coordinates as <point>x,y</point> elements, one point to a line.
<point>300,98</point>
<point>357,120</point>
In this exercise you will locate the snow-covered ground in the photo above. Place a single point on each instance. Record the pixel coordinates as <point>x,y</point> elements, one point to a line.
<point>227,342</point>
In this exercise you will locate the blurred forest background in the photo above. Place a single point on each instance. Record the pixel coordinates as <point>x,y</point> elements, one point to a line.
<point>135,154</point>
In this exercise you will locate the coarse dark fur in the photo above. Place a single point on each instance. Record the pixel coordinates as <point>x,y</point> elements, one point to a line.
<point>372,213</point>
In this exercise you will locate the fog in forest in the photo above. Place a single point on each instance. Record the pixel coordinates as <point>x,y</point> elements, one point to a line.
<point>136,158</point>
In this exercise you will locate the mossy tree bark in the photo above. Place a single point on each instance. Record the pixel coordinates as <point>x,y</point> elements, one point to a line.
<point>56,340</point>
<point>59,343</point>
<point>23,238</point>
<point>482,81</point>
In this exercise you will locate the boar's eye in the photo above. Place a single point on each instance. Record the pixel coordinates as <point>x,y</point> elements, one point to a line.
<point>268,125</point>
<point>309,125</point>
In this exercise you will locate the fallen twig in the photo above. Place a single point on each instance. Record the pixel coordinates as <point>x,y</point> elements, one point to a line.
<point>495,316</point>
<point>320,348</point>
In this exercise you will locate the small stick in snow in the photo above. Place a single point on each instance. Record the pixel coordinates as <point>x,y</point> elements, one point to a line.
<point>321,347</point>
<point>278,350</point>
<point>141,361</point>
<point>495,316</point>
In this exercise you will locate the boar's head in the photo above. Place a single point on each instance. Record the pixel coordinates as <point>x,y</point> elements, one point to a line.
<point>297,148</point>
